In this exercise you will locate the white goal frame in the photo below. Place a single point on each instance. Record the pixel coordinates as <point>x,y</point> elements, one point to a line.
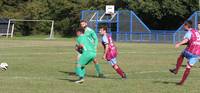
<point>51,36</point>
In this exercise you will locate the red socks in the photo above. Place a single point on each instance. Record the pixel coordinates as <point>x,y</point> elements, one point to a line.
<point>119,71</point>
<point>185,75</point>
<point>179,63</point>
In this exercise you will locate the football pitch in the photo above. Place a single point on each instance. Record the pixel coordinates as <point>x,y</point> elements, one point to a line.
<point>47,66</point>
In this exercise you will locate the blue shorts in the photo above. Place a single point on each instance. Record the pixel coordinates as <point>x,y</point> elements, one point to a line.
<point>113,61</point>
<point>192,59</point>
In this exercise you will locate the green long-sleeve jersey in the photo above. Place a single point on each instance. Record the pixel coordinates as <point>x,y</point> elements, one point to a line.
<point>88,46</point>
<point>90,33</point>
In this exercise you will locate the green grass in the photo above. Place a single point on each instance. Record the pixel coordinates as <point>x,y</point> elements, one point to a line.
<point>43,66</point>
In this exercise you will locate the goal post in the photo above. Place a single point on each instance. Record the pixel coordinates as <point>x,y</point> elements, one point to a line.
<point>51,34</point>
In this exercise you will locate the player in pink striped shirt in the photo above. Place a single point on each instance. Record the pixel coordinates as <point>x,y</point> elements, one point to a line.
<point>191,52</point>
<point>110,51</point>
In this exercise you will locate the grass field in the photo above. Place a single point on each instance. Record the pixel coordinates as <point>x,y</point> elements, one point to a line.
<point>44,66</point>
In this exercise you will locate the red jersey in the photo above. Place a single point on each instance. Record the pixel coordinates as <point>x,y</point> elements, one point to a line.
<point>194,43</point>
<point>112,50</point>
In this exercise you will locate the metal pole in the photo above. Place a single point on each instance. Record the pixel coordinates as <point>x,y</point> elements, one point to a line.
<point>52,32</point>
<point>131,26</point>
<point>82,12</point>
<point>96,21</point>
<point>13,26</point>
<point>196,21</point>
<point>117,26</point>
<point>8,29</point>
<point>174,38</point>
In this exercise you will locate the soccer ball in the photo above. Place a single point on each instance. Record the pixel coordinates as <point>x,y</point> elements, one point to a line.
<point>3,66</point>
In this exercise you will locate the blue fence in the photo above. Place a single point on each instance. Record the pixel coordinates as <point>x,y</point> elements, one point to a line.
<point>126,26</point>
<point>148,37</point>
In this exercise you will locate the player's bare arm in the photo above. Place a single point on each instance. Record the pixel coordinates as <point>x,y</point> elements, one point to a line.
<point>79,46</point>
<point>105,51</point>
<point>184,41</point>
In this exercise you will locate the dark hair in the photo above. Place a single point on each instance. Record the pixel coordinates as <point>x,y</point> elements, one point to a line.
<point>104,28</point>
<point>83,21</point>
<point>188,23</point>
<point>82,30</point>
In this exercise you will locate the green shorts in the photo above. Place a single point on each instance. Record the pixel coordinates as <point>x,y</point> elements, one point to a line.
<point>86,58</point>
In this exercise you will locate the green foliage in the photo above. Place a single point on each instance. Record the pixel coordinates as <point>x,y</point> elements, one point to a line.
<point>164,14</point>
<point>158,14</point>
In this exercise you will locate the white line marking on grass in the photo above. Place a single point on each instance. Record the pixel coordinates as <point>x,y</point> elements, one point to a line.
<point>166,71</point>
<point>149,52</point>
<point>61,53</point>
<point>146,72</point>
<point>27,78</point>
<point>108,74</point>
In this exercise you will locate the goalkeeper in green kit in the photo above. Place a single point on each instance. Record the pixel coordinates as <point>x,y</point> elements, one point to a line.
<point>88,53</point>
<point>90,33</point>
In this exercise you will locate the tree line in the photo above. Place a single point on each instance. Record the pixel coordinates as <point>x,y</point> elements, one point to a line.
<point>156,14</point>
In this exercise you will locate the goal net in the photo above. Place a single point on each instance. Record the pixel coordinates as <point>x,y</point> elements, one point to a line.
<point>23,27</point>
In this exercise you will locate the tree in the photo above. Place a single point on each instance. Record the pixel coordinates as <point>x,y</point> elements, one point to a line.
<point>164,14</point>
<point>157,14</point>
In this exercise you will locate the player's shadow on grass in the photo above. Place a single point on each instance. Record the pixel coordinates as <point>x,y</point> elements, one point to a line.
<point>68,73</point>
<point>181,65</point>
<point>74,74</point>
<point>165,82</point>
<point>70,80</point>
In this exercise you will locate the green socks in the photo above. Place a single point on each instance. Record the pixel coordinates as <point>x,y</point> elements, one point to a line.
<point>98,69</point>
